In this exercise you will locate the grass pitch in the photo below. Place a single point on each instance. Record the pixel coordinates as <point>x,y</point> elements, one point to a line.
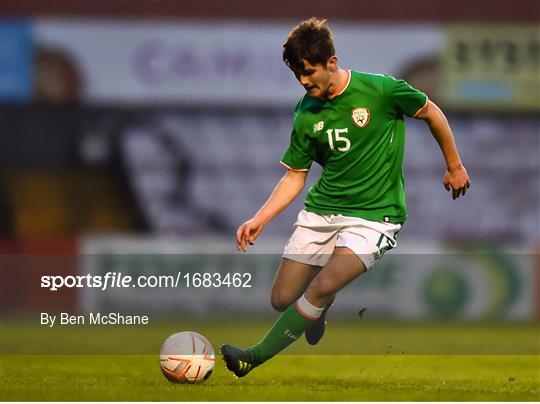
<point>40,364</point>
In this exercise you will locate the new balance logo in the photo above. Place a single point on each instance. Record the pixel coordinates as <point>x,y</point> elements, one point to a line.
<point>317,127</point>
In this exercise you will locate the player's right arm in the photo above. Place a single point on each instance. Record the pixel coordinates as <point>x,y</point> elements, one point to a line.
<point>284,193</point>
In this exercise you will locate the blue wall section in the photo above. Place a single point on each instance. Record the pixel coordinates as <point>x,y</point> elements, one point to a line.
<point>16,50</point>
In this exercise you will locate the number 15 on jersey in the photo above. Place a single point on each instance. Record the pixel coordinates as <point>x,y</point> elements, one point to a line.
<point>334,137</point>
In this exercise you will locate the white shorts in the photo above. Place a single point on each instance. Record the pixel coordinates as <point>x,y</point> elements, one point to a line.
<point>315,237</point>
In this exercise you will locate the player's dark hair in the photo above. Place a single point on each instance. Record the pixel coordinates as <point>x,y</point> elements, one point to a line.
<point>310,40</point>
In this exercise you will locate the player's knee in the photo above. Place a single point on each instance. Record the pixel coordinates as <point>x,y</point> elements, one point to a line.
<point>279,305</point>
<point>279,301</point>
<point>323,287</point>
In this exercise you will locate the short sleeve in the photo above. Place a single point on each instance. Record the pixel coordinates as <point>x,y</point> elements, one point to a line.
<point>297,156</point>
<point>404,99</point>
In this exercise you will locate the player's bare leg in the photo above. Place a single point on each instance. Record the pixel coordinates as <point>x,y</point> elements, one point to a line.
<point>344,267</point>
<point>291,281</point>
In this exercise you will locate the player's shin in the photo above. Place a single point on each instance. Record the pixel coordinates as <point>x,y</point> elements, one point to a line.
<point>288,328</point>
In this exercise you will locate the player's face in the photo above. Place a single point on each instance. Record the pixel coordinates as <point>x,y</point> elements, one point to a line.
<point>316,79</point>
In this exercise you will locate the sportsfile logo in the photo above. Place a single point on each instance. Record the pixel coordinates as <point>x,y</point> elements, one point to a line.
<point>119,280</point>
<point>109,280</point>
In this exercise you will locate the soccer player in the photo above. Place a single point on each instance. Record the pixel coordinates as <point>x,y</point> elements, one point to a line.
<point>351,123</point>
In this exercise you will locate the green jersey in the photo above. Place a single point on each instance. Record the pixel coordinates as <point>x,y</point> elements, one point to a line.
<point>358,137</point>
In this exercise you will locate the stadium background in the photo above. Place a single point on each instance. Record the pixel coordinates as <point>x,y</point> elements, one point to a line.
<point>157,127</point>
<point>135,136</point>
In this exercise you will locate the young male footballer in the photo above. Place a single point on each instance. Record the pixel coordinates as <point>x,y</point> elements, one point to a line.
<point>351,123</point>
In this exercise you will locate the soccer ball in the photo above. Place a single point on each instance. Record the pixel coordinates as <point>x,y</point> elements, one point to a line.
<point>187,357</point>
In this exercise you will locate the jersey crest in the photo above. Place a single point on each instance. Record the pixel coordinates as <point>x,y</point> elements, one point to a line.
<point>360,116</point>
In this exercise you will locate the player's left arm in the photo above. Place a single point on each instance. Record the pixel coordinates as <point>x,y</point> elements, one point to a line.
<point>456,177</point>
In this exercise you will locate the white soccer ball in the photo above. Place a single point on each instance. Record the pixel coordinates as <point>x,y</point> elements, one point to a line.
<point>187,357</point>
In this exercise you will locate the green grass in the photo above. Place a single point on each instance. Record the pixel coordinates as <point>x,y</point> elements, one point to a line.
<point>286,378</point>
<point>343,338</point>
<point>123,368</point>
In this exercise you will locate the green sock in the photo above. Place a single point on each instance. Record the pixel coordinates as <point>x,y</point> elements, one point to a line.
<point>288,328</point>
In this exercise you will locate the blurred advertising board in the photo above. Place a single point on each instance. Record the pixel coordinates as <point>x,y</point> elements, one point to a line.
<point>417,282</point>
<point>464,67</point>
<point>492,67</point>
<point>15,61</point>
<point>214,63</point>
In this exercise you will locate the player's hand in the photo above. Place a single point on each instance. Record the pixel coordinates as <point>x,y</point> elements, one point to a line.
<point>457,180</point>
<point>248,233</point>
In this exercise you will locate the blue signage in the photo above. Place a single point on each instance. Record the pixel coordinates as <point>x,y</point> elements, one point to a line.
<point>15,61</point>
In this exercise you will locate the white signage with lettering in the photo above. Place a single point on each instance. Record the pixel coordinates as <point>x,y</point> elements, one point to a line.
<point>221,62</point>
